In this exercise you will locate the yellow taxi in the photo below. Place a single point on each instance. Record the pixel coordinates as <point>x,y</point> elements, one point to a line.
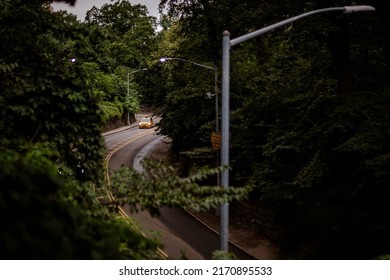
<point>146,122</point>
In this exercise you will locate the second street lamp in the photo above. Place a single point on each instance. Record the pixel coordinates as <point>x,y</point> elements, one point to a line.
<point>215,71</point>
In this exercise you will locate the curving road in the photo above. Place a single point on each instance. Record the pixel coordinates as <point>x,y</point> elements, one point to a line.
<point>182,235</point>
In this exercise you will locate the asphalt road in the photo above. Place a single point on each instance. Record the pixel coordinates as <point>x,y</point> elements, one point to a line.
<point>183,236</point>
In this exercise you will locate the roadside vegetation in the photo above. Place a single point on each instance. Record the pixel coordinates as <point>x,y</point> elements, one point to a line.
<point>61,80</point>
<point>310,123</point>
<point>309,117</point>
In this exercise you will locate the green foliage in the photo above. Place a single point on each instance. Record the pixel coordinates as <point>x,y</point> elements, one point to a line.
<point>184,116</point>
<point>327,168</point>
<point>130,33</point>
<point>110,110</point>
<point>120,16</point>
<point>111,90</point>
<point>160,185</point>
<point>121,37</point>
<point>186,111</point>
<point>51,121</point>
<point>43,98</point>
<point>222,255</point>
<point>39,224</point>
<point>309,123</point>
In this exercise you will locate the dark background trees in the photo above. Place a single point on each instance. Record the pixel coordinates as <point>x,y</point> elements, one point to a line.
<point>309,116</point>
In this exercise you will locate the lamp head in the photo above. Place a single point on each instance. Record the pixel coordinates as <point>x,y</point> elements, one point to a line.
<point>358,8</point>
<point>163,59</point>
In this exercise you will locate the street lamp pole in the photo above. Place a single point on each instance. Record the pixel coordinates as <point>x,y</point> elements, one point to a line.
<point>227,43</point>
<point>128,90</point>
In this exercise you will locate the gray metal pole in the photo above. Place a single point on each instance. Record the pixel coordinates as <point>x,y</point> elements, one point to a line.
<point>225,137</point>
<point>217,123</point>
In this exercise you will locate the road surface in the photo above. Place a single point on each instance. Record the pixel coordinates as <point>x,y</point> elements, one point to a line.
<point>183,236</point>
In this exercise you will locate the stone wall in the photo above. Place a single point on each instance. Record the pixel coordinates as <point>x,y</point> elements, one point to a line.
<point>118,122</point>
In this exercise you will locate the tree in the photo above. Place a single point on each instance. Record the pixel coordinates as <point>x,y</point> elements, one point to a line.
<point>43,98</point>
<point>303,118</point>
<point>51,125</point>
<point>51,108</point>
<point>38,224</point>
<point>111,89</point>
<point>319,191</point>
<point>131,32</point>
<point>126,39</point>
